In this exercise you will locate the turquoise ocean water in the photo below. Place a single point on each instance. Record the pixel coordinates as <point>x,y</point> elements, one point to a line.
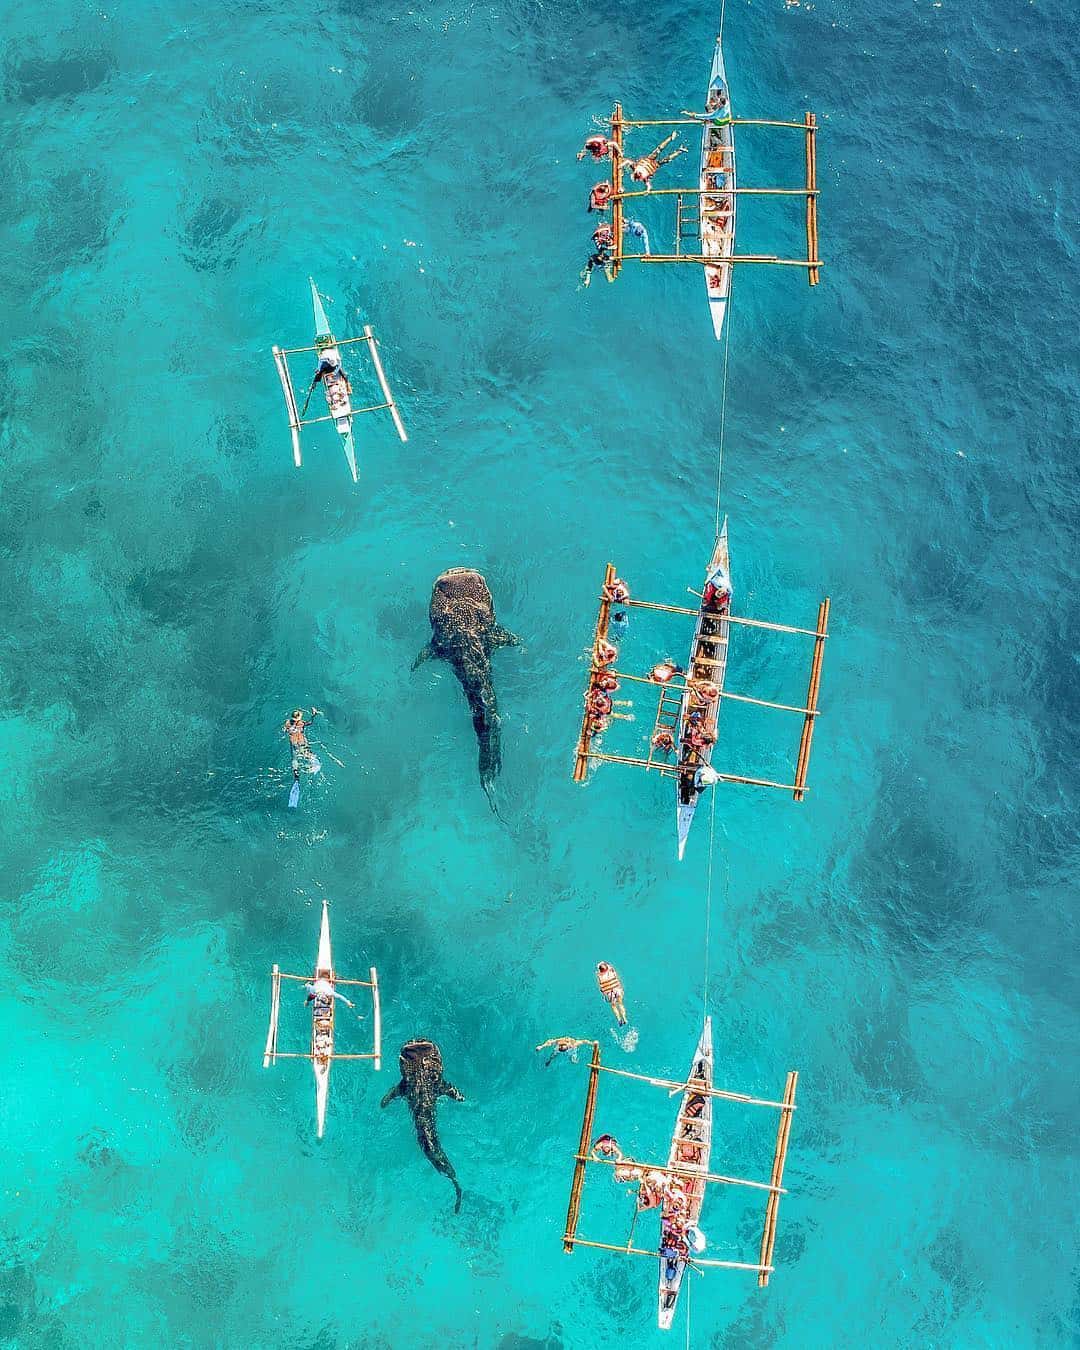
<point>902,439</point>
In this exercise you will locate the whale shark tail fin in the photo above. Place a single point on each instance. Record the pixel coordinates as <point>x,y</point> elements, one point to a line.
<point>424,654</point>
<point>398,1090</point>
<point>457,1191</point>
<point>502,637</point>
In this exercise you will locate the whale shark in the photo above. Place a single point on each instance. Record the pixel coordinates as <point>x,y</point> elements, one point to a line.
<point>422,1084</point>
<point>464,633</point>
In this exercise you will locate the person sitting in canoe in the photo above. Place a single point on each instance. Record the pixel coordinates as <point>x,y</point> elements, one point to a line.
<point>717,593</point>
<point>643,170</point>
<point>321,990</point>
<point>607,977</point>
<point>330,368</point>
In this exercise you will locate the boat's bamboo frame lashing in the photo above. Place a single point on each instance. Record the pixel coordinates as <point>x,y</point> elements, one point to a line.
<point>584,753</point>
<point>272,1054</point>
<point>620,125</point>
<point>763,1267</point>
<point>296,422</point>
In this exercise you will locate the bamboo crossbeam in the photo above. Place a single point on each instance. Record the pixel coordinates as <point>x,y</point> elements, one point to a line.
<point>353,412</point>
<point>581,755</point>
<point>669,609</point>
<point>305,978</point>
<point>768,1236</point>
<point>766,259</point>
<point>728,618</point>
<point>573,1212</point>
<point>364,984</point>
<point>672,769</point>
<point>719,192</point>
<point>671,685</point>
<point>684,1172</point>
<point>706,120</point>
<point>694,1261</point>
<point>802,764</point>
<point>765,703</point>
<point>338,342</point>
<point>697,1087</point>
<point>306,1054</point>
<point>811,195</point>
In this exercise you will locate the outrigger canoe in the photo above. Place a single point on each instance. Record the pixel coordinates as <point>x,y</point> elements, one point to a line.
<point>321,1053</point>
<point>335,385</point>
<point>717,213</point>
<point>707,663</point>
<point>691,1146</point>
<point>322,1025</point>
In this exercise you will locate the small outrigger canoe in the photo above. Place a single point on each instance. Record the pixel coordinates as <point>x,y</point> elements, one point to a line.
<point>336,387</point>
<point>691,1147</point>
<point>321,1053</point>
<point>707,666</point>
<point>717,213</point>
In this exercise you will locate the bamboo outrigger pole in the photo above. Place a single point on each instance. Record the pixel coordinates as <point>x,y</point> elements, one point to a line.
<point>811,196</point>
<point>573,1212</point>
<point>603,619</point>
<point>783,1130</point>
<point>802,764</point>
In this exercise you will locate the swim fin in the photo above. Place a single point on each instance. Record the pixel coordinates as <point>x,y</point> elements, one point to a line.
<point>294,795</point>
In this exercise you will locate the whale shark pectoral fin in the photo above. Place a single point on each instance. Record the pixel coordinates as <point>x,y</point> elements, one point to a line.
<point>502,637</point>
<point>449,1090</point>
<point>397,1091</point>
<point>425,654</point>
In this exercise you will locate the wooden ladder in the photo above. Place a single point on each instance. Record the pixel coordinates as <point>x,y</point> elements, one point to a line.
<point>668,711</point>
<point>687,221</point>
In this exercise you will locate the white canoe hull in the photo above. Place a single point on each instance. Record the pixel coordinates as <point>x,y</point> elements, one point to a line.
<point>717,213</point>
<point>692,1136</point>
<point>322,1027</point>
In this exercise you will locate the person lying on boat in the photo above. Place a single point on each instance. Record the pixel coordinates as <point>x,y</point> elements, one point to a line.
<point>321,990</point>
<point>564,1045</point>
<point>643,170</point>
<point>597,146</point>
